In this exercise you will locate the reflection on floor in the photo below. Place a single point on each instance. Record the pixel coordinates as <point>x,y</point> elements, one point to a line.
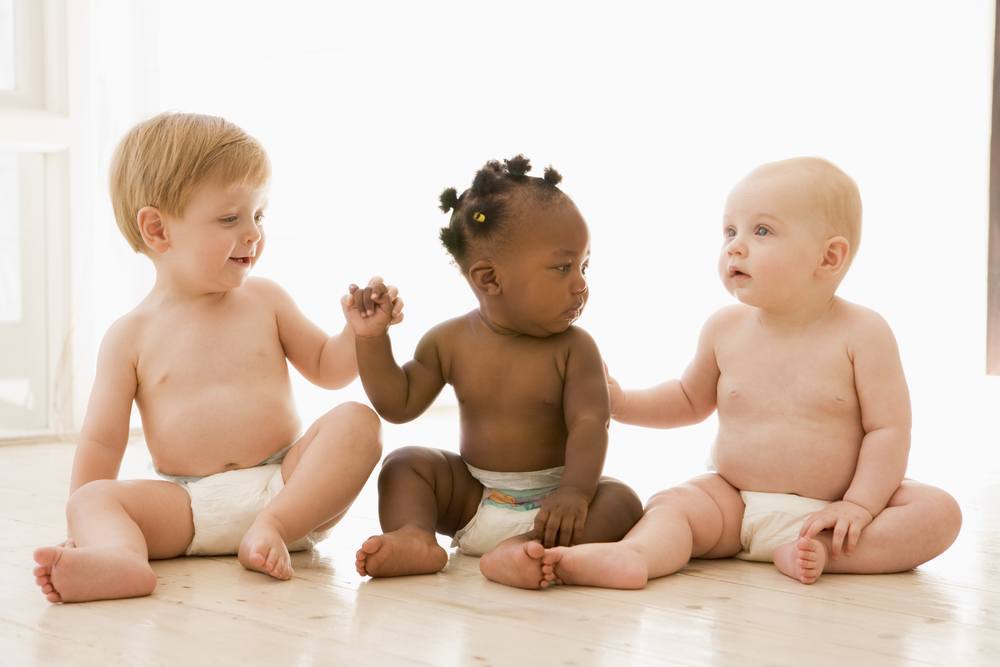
<point>210,610</point>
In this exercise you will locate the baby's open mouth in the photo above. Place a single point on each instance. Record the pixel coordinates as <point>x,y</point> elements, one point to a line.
<point>736,273</point>
<point>240,260</point>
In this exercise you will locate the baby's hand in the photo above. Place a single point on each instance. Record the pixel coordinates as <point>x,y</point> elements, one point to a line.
<point>561,518</point>
<point>614,391</point>
<point>373,309</point>
<point>847,521</point>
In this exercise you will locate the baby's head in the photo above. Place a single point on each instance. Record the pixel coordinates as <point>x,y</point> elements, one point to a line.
<point>194,184</point>
<point>522,245</point>
<point>790,231</point>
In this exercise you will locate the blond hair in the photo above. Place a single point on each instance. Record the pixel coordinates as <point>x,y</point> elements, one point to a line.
<point>162,161</point>
<point>836,194</point>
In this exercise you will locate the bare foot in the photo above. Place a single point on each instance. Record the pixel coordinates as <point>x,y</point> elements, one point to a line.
<point>515,562</point>
<point>263,549</point>
<point>607,564</point>
<point>407,550</point>
<point>71,574</point>
<point>803,559</point>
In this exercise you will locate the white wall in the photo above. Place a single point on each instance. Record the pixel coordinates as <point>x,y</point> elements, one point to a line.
<point>650,111</point>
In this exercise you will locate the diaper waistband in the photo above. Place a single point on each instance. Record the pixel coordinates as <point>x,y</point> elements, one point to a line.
<point>527,480</point>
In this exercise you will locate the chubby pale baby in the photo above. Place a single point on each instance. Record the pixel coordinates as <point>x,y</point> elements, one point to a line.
<point>813,410</point>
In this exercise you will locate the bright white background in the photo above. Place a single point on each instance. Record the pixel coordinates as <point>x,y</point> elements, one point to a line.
<point>651,111</point>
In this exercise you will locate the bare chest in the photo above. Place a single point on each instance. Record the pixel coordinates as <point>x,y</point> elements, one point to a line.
<point>231,346</point>
<point>519,374</point>
<point>805,377</point>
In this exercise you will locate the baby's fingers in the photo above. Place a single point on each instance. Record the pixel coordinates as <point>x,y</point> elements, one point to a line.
<point>839,533</point>
<point>539,528</point>
<point>853,535</point>
<point>813,526</point>
<point>578,525</point>
<point>566,528</point>
<point>397,311</point>
<point>368,304</point>
<point>551,531</point>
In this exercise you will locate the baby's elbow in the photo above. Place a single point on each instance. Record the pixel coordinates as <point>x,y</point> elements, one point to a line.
<point>701,411</point>
<point>392,414</point>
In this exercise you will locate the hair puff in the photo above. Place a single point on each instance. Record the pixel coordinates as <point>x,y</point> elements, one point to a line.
<point>449,199</point>
<point>552,177</point>
<point>518,165</point>
<point>489,180</point>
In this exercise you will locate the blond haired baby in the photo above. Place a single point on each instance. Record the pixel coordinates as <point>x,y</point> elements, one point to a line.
<point>205,357</point>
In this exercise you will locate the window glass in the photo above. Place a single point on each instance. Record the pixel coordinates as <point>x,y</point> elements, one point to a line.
<point>10,240</point>
<point>7,45</point>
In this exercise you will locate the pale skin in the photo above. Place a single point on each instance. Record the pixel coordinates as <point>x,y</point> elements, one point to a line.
<point>811,400</point>
<point>532,396</point>
<point>205,358</point>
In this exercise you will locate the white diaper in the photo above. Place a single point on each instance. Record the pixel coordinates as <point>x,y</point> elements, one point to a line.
<point>224,505</point>
<point>772,519</point>
<point>508,508</point>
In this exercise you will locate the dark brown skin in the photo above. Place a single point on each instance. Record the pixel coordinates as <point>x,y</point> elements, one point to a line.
<point>531,389</point>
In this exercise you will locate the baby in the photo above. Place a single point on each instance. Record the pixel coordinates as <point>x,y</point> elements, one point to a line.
<point>530,386</point>
<point>204,356</point>
<point>814,413</point>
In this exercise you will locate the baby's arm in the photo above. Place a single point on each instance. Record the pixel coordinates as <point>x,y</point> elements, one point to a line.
<point>326,361</point>
<point>106,424</point>
<point>398,394</point>
<point>676,402</point>
<point>885,418</point>
<point>563,513</point>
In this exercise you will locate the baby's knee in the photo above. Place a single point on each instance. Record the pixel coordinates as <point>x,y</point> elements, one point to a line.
<point>85,498</point>
<point>947,513</point>
<point>626,502</point>
<point>358,415</point>
<point>405,460</point>
<point>98,490</point>
<point>361,421</point>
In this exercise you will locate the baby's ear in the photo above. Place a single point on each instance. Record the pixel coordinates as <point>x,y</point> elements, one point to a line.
<point>835,254</point>
<point>151,228</point>
<point>483,276</point>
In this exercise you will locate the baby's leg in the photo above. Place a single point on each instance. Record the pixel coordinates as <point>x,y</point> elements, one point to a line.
<point>323,472</point>
<point>698,519</point>
<point>919,523</point>
<point>421,491</point>
<point>115,528</point>
<point>518,561</point>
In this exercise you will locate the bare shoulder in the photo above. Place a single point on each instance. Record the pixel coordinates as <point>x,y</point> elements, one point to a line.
<point>449,333</point>
<point>266,289</point>
<point>123,338</point>
<point>576,338</point>
<point>727,319</point>
<point>860,322</point>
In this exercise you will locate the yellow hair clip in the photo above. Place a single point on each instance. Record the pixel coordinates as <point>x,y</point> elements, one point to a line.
<point>479,216</point>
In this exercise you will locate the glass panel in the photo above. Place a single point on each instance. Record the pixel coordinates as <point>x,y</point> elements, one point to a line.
<point>10,239</point>
<point>7,45</point>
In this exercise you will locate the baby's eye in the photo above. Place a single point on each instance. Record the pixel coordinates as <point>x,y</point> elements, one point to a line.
<point>729,232</point>
<point>229,220</point>
<point>564,268</point>
<point>762,231</point>
<point>259,219</point>
<point>584,269</point>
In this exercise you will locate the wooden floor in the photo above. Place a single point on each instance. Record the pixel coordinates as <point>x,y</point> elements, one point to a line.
<point>211,611</point>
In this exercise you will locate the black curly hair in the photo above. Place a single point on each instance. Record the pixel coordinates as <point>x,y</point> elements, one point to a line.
<point>480,215</point>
